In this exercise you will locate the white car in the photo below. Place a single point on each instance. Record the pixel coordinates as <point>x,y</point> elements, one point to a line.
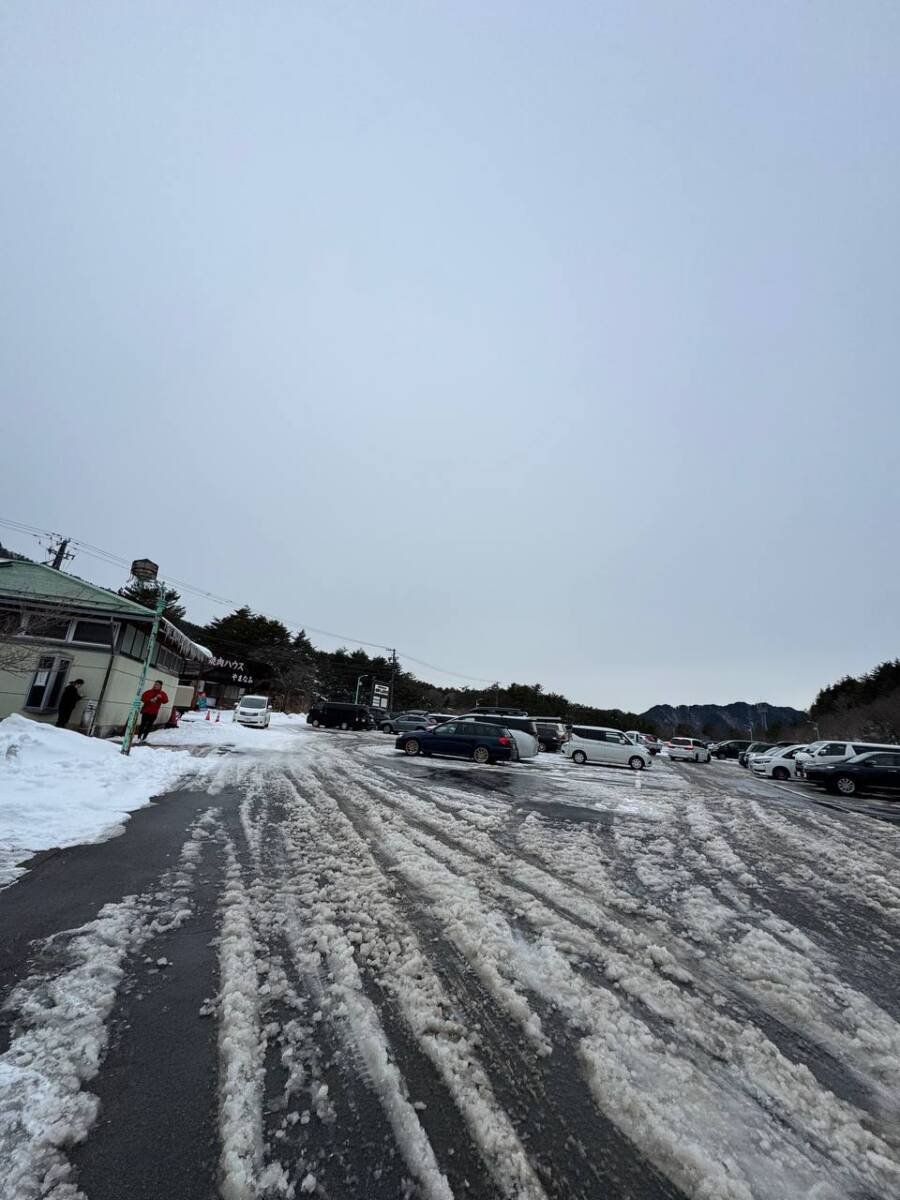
<point>778,763</point>
<point>688,750</point>
<point>823,753</point>
<point>594,743</point>
<point>253,710</point>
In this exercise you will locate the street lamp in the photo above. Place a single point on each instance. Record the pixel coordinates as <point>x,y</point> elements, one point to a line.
<point>146,571</point>
<point>358,682</point>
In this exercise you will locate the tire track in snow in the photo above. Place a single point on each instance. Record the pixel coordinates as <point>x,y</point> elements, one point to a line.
<point>388,946</point>
<point>759,1059</point>
<point>826,1027</point>
<point>61,1030</point>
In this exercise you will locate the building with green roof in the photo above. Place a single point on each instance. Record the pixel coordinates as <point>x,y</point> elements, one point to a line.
<point>55,628</point>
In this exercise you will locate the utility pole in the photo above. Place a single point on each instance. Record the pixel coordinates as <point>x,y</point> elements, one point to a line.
<point>393,674</point>
<point>60,553</point>
<point>146,571</point>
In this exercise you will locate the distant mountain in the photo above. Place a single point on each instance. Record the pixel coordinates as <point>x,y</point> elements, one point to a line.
<point>725,720</point>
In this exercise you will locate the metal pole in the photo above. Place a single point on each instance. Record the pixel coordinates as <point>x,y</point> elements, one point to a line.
<point>393,673</point>
<point>358,682</point>
<point>109,667</point>
<point>151,646</point>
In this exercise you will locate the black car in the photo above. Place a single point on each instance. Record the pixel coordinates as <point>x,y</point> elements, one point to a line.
<point>524,724</point>
<point>878,770</point>
<point>551,734</point>
<point>730,749</point>
<point>482,742</point>
<point>332,715</point>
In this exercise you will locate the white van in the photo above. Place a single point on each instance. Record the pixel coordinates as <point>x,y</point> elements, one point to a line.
<point>253,710</point>
<point>593,743</point>
<point>825,752</point>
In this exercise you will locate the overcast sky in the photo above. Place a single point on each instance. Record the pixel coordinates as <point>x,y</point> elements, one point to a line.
<point>549,342</point>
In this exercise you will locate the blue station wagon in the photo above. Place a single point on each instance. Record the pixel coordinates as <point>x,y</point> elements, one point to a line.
<point>482,743</point>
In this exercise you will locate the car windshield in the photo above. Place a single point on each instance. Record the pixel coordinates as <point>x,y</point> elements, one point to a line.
<point>253,702</point>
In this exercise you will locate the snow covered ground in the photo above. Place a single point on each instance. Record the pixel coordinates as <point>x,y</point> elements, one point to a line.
<point>534,981</point>
<point>58,788</point>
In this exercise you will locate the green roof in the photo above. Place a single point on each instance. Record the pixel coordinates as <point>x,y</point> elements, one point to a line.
<point>28,580</point>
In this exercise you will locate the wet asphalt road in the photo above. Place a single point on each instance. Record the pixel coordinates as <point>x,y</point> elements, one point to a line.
<point>421,978</point>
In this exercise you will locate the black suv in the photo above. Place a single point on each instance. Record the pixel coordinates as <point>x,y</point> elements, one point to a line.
<point>551,734</point>
<point>340,716</point>
<point>523,723</point>
<point>730,749</point>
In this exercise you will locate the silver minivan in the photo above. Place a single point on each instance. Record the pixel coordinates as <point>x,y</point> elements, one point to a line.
<point>593,743</point>
<point>253,710</point>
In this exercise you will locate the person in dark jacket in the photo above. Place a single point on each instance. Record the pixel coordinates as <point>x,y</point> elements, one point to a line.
<point>67,701</point>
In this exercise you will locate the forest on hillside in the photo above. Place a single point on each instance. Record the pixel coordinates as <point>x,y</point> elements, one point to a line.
<point>864,706</point>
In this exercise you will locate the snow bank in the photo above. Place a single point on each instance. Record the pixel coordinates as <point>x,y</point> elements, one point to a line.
<point>286,732</point>
<point>59,788</point>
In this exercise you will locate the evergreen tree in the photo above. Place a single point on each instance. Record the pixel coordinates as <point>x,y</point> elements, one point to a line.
<point>146,593</point>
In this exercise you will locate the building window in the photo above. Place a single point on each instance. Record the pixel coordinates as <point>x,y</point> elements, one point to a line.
<point>43,695</point>
<point>96,632</point>
<point>46,629</point>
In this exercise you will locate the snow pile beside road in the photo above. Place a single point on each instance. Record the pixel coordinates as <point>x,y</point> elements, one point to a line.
<point>195,730</point>
<point>59,788</point>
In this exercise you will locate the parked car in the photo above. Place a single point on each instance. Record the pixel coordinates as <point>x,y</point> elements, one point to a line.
<point>876,770</point>
<point>688,750</point>
<point>482,710</point>
<point>729,749</point>
<point>253,710</point>
<point>777,763</point>
<point>653,744</point>
<point>551,734</point>
<point>753,748</point>
<point>482,741</point>
<point>334,715</point>
<point>593,743</point>
<point>523,729</point>
<point>825,752</point>
<point>404,722</point>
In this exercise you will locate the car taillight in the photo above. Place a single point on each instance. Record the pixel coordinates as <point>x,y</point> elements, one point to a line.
<point>503,741</point>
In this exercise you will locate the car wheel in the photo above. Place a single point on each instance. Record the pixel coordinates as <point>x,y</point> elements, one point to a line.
<point>344,725</point>
<point>636,764</point>
<point>481,754</point>
<point>315,724</point>
<point>386,728</point>
<point>846,785</point>
<point>579,757</point>
<point>412,747</point>
<point>781,773</point>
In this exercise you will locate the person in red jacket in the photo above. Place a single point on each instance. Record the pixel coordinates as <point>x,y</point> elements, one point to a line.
<point>151,702</point>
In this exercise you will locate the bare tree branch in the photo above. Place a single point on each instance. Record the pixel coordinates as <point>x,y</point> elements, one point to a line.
<point>19,655</point>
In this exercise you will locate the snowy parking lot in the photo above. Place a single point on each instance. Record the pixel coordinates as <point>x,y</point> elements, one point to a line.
<point>317,967</point>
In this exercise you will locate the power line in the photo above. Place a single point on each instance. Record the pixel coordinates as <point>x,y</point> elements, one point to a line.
<point>116,560</point>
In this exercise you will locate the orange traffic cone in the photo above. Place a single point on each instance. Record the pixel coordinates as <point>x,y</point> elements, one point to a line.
<point>207,714</point>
